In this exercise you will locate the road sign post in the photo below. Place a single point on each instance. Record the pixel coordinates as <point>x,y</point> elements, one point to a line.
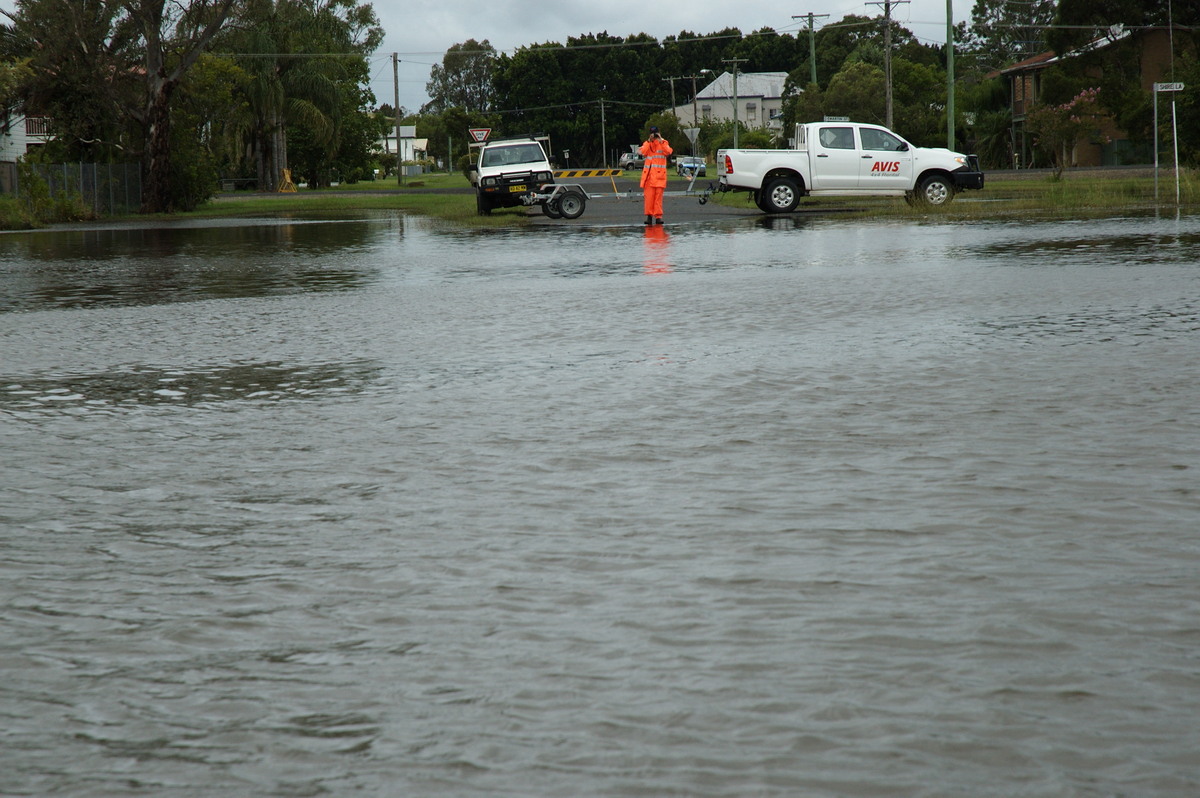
<point>1171,87</point>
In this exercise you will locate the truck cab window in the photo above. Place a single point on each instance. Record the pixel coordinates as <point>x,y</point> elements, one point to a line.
<point>837,138</point>
<point>880,140</point>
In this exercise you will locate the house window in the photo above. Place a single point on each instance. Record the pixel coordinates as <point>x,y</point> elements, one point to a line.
<point>707,111</point>
<point>751,112</point>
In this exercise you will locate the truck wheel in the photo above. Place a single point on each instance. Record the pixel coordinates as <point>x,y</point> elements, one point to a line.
<point>550,208</point>
<point>571,205</point>
<point>780,195</point>
<point>483,205</point>
<point>935,190</point>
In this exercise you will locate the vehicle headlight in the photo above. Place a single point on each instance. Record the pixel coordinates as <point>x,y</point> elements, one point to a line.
<point>545,177</point>
<point>489,181</point>
<point>960,159</point>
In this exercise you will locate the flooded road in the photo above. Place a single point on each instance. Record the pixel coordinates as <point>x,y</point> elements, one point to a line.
<point>783,506</point>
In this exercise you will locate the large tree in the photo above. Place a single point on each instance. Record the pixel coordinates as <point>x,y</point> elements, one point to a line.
<point>463,79</point>
<point>87,54</point>
<point>173,34</point>
<point>307,61</point>
<point>82,63</point>
<point>1007,31</point>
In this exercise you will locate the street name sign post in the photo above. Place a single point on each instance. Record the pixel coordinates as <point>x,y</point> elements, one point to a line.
<point>1158,88</point>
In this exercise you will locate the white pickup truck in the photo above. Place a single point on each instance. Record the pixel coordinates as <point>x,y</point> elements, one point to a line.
<point>846,159</point>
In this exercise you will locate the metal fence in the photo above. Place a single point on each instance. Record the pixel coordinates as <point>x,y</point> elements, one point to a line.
<point>108,189</point>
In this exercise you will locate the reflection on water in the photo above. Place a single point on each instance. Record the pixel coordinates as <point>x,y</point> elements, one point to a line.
<point>258,382</point>
<point>1127,325</point>
<point>122,266</point>
<point>1102,248</point>
<point>658,250</point>
<point>197,238</point>
<point>833,509</point>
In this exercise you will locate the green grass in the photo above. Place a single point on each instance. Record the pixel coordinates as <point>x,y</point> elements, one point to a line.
<point>1072,195</point>
<point>368,195</point>
<point>1024,196</point>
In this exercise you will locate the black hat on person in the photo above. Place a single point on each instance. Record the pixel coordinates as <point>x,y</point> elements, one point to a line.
<point>653,129</point>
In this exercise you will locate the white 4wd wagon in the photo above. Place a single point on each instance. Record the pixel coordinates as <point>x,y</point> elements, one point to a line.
<point>509,172</point>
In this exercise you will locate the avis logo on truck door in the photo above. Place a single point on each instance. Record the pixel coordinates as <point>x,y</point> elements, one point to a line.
<point>885,167</point>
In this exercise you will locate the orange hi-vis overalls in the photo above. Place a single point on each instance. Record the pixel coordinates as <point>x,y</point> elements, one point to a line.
<point>654,174</point>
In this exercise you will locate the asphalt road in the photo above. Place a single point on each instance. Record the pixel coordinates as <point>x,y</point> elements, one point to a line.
<point>617,201</point>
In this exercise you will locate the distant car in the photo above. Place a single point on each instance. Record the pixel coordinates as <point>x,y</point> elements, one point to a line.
<point>630,160</point>
<point>686,166</point>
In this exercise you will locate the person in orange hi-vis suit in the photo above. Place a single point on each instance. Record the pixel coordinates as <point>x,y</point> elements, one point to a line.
<point>655,149</point>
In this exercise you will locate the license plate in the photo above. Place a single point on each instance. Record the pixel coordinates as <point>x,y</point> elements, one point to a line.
<point>515,189</point>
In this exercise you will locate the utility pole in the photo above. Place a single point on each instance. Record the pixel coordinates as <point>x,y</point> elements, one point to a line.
<point>887,50</point>
<point>603,137</point>
<point>672,82</point>
<point>812,44</point>
<point>396,86</point>
<point>735,62</point>
<point>950,75</point>
<point>695,113</point>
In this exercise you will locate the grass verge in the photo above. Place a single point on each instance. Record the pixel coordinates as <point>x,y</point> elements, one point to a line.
<point>1072,195</point>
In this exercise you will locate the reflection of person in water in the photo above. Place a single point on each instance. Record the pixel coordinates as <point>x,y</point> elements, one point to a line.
<point>657,245</point>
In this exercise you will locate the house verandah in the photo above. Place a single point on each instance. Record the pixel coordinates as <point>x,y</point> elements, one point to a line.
<point>1108,145</point>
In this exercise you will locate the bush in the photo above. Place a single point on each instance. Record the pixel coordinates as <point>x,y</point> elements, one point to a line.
<point>14,215</point>
<point>464,162</point>
<point>35,205</point>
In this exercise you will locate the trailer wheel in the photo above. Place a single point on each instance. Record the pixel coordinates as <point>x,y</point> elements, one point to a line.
<point>571,205</point>
<point>935,190</point>
<point>550,208</point>
<point>781,195</point>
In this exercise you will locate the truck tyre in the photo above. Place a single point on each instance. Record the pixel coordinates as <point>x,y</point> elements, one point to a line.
<point>483,205</point>
<point>780,195</point>
<point>571,204</point>
<point>935,190</point>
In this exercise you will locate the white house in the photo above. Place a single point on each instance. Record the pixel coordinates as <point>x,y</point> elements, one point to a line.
<point>20,133</point>
<point>411,147</point>
<point>759,101</point>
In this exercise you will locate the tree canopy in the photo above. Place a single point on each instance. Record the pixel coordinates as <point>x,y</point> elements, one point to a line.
<point>197,89</point>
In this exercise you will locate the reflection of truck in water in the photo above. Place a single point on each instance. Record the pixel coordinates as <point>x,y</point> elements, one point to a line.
<point>845,158</point>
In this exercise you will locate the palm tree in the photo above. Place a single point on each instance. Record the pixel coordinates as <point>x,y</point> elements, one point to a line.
<point>296,52</point>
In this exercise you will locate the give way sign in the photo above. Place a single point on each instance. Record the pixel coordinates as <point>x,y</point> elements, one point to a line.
<point>480,134</point>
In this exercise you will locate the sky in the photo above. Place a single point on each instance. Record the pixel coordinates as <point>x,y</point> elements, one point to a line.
<point>420,31</point>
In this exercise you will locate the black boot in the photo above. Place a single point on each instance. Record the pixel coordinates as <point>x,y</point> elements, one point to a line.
<point>649,220</point>
<point>658,220</point>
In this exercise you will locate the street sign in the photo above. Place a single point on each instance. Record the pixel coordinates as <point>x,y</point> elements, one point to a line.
<point>1168,87</point>
<point>480,134</point>
<point>837,119</point>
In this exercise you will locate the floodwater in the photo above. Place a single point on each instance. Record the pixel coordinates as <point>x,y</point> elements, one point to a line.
<point>758,507</point>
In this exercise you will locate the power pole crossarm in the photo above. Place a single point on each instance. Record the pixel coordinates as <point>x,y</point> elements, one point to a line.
<point>735,62</point>
<point>887,50</point>
<point>812,44</point>
<point>672,80</point>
